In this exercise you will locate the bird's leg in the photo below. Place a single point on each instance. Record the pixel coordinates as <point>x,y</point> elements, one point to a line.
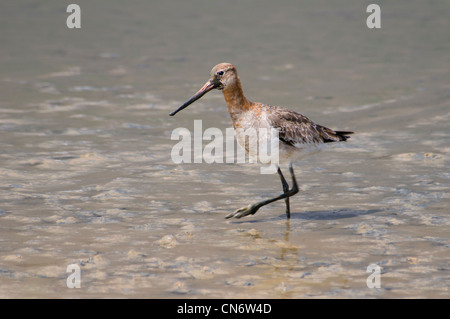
<point>253,208</point>
<point>285,190</point>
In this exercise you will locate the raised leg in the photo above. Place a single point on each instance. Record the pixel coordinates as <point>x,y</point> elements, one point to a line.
<point>253,208</point>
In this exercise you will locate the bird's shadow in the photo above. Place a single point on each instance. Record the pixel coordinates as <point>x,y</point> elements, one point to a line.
<point>316,215</point>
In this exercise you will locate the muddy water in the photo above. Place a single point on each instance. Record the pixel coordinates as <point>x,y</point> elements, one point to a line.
<point>86,175</point>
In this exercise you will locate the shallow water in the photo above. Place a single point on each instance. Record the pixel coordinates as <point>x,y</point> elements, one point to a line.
<point>87,176</point>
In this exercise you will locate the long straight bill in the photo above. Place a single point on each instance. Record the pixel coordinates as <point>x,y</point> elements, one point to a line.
<point>205,89</point>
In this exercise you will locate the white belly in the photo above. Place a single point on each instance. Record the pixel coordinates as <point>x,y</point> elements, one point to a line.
<point>262,144</point>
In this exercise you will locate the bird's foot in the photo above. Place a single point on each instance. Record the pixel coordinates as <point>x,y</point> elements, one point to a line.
<point>244,211</point>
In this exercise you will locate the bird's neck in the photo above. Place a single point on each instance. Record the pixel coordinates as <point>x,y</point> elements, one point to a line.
<point>237,103</point>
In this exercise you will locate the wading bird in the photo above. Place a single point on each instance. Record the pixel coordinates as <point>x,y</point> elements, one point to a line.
<point>298,136</point>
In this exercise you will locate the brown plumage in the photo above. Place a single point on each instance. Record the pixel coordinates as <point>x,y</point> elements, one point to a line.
<point>298,136</point>
<point>295,128</point>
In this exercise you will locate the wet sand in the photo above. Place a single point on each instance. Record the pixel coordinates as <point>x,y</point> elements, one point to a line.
<point>87,177</point>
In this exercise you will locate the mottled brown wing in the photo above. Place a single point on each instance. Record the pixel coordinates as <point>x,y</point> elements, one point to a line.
<point>295,128</point>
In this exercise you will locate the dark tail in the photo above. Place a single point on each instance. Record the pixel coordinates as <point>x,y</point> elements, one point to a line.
<point>343,135</point>
<point>330,136</point>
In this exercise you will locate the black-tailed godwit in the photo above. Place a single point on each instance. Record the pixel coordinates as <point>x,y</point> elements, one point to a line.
<point>298,135</point>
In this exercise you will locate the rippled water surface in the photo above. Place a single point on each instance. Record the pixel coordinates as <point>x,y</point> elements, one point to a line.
<point>86,175</point>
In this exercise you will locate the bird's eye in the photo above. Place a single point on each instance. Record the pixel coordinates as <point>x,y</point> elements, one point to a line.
<point>220,73</point>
